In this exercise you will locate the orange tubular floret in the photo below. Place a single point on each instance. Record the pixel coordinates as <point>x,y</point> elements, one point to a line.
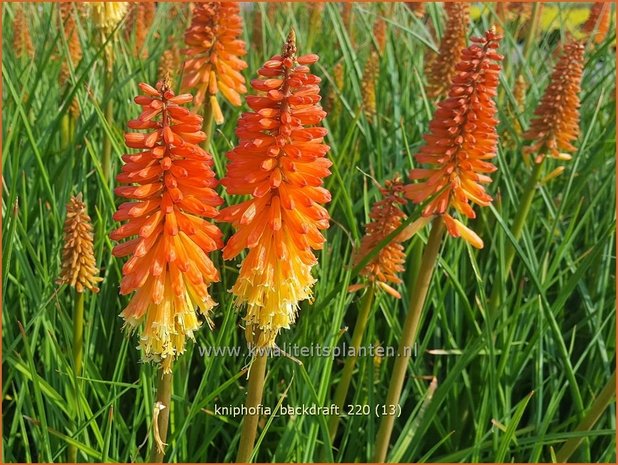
<point>386,216</point>
<point>462,139</point>
<point>279,161</point>
<point>214,55</point>
<point>172,183</point>
<point>556,122</point>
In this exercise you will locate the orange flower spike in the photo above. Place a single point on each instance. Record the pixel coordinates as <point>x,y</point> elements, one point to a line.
<point>453,42</point>
<point>79,267</point>
<point>462,138</point>
<point>214,55</point>
<point>386,216</point>
<point>417,8</point>
<point>556,122</point>
<point>279,161</point>
<point>379,33</point>
<point>598,21</point>
<point>170,184</point>
<point>22,42</point>
<point>67,17</point>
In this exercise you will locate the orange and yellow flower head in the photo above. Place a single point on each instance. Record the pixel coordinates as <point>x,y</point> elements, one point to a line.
<point>598,21</point>
<point>280,162</point>
<point>443,65</point>
<point>79,267</point>
<point>386,216</point>
<point>556,122</point>
<point>462,139</point>
<point>170,186</point>
<point>214,55</point>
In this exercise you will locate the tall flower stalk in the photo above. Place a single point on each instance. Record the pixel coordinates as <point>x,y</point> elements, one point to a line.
<point>462,138</point>
<point>170,186</point>
<point>381,271</point>
<point>214,61</point>
<point>106,17</point>
<point>79,271</point>
<point>280,162</point>
<point>554,128</point>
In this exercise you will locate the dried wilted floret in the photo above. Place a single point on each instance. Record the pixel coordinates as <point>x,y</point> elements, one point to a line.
<point>214,55</point>
<point>78,262</point>
<point>556,122</point>
<point>386,216</point>
<point>598,21</point>
<point>280,163</point>
<point>453,42</point>
<point>462,137</point>
<point>170,186</point>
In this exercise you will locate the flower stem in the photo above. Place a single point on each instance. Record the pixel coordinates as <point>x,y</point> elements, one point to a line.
<point>599,406</point>
<point>516,230</point>
<point>408,335</point>
<point>208,126</point>
<point>346,377</point>
<point>257,375</point>
<point>78,343</point>
<point>535,17</point>
<point>109,116</point>
<point>164,398</point>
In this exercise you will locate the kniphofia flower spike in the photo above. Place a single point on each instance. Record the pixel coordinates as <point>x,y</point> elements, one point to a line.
<point>386,216</point>
<point>79,267</point>
<point>169,184</point>
<point>462,138</point>
<point>556,122</point>
<point>279,161</point>
<point>214,55</point>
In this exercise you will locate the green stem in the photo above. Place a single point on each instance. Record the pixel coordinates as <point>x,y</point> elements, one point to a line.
<point>518,226</point>
<point>346,377</point>
<point>408,336</point>
<point>164,397</point>
<point>78,344</point>
<point>109,116</point>
<point>599,406</point>
<point>535,17</point>
<point>208,124</point>
<point>257,374</point>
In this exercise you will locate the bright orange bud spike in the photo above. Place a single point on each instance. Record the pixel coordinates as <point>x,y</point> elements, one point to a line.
<point>598,21</point>
<point>171,185</point>
<point>69,26</point>
<point>443,66</point>
<point>79,267</point>
<point>386,216</point>
<point>214,54</point>
<point>556,122</point>
<point>280,162</point>
<point>462,138</point>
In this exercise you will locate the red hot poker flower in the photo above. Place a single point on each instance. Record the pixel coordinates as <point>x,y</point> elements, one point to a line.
<point>442,68</point>
<point>556,122</point>
<point>386,216</point>
<point>462,137</point>
<point>214,52</point>
<point>279,161</point>
<point>598,21</point>
<point>170,186</point>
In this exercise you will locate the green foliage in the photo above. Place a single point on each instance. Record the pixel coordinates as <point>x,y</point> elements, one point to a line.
<point>513,389</point>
